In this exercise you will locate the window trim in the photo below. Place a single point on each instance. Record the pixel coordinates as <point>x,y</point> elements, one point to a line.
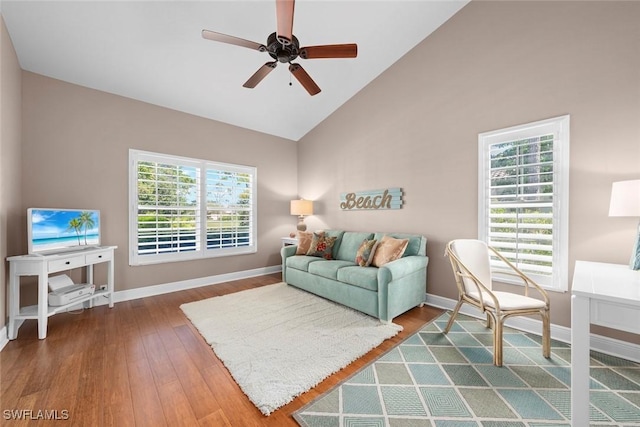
<point>559,126</point>
<point>203,252</point>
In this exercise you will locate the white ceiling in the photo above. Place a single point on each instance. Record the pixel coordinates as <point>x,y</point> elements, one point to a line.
<point>153,51</point>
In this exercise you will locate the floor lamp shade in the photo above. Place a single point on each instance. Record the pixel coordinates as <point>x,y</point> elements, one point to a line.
<point>301,208</point>
<point>625,201</point>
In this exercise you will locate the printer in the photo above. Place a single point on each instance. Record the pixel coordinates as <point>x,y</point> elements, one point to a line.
<point>64,291</point>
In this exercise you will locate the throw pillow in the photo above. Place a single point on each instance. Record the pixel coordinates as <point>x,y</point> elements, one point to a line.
<point>321,246</point>
<point>389,249</point>
<point>365,252</point>
<point>304,242</point>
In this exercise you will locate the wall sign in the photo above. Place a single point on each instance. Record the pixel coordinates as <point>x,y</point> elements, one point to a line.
<point>390,198</point>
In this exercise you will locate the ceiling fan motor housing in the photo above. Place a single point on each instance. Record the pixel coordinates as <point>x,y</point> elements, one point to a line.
<point>280,52</point>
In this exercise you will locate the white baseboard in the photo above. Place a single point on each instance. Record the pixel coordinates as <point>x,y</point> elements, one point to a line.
<point>611,346</point>
<point>165,288</point>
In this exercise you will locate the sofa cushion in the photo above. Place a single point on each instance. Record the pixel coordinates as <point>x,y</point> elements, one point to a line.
<point>364,254</point>
<point>329,268</point>
<point>321,246</point>
<point>349,245</point>
<point>389,249</point>
<point>301,262</point>
<point>362,277</point>
<point>417,244</point>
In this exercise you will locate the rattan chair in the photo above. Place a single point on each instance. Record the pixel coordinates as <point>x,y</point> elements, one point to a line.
<point>470,260</point>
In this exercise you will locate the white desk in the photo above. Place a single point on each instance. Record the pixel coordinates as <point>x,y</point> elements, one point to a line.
<point>606,295</point>
<point>42,266</point>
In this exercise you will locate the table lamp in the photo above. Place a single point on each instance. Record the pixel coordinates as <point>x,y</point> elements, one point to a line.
<point>625,201</point>
<point>301,208</point>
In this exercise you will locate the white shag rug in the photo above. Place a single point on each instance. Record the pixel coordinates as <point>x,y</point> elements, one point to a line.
<point>278,341</point>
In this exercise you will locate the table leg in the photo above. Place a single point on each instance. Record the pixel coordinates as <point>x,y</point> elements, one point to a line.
<point>110,281</point>
<point>43,303</point>
<point>90,280</point>
<point>14,302</point>
<point>580,360</point>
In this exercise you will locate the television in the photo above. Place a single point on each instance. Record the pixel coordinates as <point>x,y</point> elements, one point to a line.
<point>61,230</point>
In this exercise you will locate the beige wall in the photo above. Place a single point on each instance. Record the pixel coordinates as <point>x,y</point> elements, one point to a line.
<point>75,155</point>
<point>11,237</point>
<point>493,65</point>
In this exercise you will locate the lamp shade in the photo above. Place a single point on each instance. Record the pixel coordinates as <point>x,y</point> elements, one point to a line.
<point>625,198</point>
<point>301,207</point>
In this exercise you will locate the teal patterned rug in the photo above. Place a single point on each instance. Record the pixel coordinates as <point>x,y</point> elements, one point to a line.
<point>438,380</point>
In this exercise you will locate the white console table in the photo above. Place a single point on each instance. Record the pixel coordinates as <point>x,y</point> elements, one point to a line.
<point>42,266</point>
<point>606,295</point>
<point>286,241</point>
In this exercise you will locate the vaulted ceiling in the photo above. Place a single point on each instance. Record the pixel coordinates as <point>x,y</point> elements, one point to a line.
<point>153,51</point>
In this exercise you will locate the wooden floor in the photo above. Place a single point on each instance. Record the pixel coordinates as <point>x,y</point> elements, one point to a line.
<point>142,363</point>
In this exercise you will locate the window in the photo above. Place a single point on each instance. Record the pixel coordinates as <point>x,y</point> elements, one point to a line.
<point>523,198</point>
<point>183,208</point>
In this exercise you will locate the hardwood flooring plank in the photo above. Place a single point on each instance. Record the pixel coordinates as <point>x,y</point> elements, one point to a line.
<point>118,404</point>
<point>38,379</point>
<point>145,321</point>
<point>176,407</point>
<point>12,363</point>
<point>147,408</point>
<point>199,351</point>
<point>89,403</point>
<point>64,383</point>
<point>227,393</point>
<point>201,398</point>
<point>28,407</point>
<point>161,367</point>
<point>217,419</point>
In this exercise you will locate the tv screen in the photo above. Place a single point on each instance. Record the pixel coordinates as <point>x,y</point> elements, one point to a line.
<point>59,230</point>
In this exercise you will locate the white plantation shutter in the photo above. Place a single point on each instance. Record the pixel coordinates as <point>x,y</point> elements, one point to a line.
<point>229,207</point>
<point>523,198</point>
<point>185,208</point>
<point>167,208</point>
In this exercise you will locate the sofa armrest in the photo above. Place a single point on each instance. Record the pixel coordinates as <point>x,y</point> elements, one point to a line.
<point>401,285</point>
<point>287,251</point>
<point>402,267</point>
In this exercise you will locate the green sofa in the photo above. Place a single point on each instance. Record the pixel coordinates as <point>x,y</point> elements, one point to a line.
<point>383,292</point>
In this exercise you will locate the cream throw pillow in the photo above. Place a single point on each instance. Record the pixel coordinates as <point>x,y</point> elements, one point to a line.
<point>304,242</point>
<point>389,249</point>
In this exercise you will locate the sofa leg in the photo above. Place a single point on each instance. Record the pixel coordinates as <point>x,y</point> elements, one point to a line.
<point>421,304</point>
<point>386,322</point>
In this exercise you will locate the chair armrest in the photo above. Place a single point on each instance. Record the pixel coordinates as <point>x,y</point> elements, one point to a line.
<point>527,281</point>
<point>399,268</point>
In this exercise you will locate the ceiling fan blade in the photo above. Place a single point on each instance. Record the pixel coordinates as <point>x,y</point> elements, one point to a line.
<point>260,74</point>
<point>305,80</point>
<point>224,38</point>
<point>284,17</point>
<point>349,50</point>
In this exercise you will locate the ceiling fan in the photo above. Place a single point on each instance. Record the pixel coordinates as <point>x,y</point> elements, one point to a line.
<point>284,47</point>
